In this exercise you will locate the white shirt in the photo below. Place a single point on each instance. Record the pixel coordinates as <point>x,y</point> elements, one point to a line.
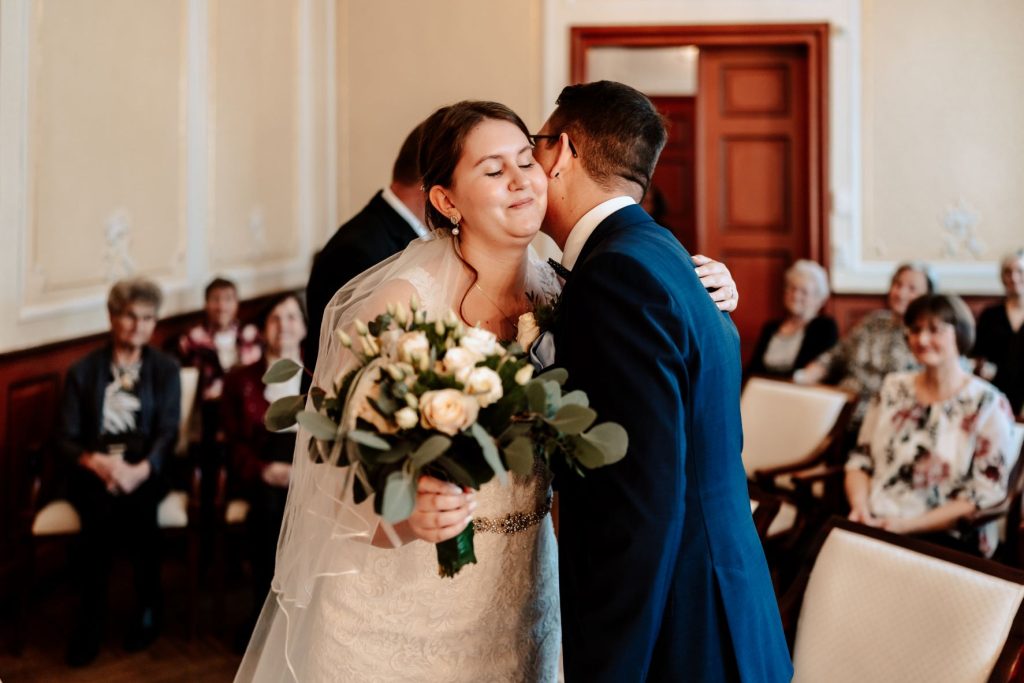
<point>586,225</point>
<point>402,210</point>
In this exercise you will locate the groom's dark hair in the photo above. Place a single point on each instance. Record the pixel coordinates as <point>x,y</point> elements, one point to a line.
<point>615,129</point>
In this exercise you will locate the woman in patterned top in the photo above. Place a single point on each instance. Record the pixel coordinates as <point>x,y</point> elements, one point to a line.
<point>875,347</point>
<point>934,445</point>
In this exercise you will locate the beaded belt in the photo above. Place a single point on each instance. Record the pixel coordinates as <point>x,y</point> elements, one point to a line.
<point>513,522</point>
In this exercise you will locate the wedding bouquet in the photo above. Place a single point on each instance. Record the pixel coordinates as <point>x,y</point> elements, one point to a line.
<point>437,397</point>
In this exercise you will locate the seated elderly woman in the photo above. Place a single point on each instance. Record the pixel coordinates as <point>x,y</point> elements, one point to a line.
<point>119,424</point>
<point>259,460</point>
<point>875,347</point>
<point>790,343</point>
<point>999,349</point>
<point>935,443</point>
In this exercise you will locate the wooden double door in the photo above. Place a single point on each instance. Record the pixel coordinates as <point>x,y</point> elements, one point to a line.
<point>737,175</point>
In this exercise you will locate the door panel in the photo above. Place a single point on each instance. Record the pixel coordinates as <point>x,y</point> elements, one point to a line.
<point>754,165</point>
<point>675,175</point>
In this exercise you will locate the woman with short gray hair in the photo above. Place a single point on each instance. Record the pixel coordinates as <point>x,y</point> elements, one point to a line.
<point>788,344</point>
<point>999,350</point>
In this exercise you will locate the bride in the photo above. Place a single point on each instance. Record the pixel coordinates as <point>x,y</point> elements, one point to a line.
<point>355,599</point>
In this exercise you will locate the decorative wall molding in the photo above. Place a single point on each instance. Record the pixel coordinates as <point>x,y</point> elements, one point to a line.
<point>41,314</point>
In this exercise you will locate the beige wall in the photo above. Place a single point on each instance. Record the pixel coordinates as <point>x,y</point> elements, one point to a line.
<point>176,139</point>
<point>943,141</point>
<point>399,60</point>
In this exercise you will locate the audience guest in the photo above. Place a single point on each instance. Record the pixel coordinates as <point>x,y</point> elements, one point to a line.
<point>999,350</point>
<point>792,342</point>
<point>935,443</point>
<point>875,347</point>
<point>119,424</point>
<point>260,461</point>
<point>392,219</point>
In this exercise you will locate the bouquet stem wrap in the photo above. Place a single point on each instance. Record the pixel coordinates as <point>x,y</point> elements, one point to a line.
<point>455,553</point>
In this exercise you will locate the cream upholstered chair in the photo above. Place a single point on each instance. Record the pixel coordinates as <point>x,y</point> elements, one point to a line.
<point>873,606</point>
<point>789,431</point>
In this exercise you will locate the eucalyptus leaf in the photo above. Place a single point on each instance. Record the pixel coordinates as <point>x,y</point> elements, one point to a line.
<point>281,371</point>
<point>429,450</point>
<point>573,419</point>
<point>316,424</point>
<point>490,451</point>
<point>370,439</point>
<point>559,375</point>
<point>457,472</point>
<point>537,397</point>
<point>587,453</point>
<point>281,413</point>
<point>399,497</point>
<point>611,439</point>
<point>576,398</point>
<point>553,392</point>
<point>519,456</point>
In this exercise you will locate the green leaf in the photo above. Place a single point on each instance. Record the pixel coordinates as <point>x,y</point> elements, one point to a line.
<point>429,450</point>
<point>459,474</point>
<point>559,375</point>
<point>318,395</point>
<point>573,419</point>
<point>369,439</point>
<point>399,497</point>
<point>576,398</point>
<point>490,451</point>
<point>316,424</point>
<point>281,371</point>
<point>281,413</point>
<point>611,441</point>
<point>519,455</point>
<point>537,397</point>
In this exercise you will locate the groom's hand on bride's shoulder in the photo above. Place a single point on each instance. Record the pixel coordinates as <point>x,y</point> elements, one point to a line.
<point>717,279</point>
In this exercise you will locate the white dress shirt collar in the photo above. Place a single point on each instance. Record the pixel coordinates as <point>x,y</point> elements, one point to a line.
<point>586,225</point>
<point>402,210</point>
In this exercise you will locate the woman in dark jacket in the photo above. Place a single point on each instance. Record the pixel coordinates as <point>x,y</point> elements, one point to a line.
<point>119,425</point>
<point>999,349</point>
<point>788,344</point>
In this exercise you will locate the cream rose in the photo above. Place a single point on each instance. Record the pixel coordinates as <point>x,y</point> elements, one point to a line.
<point>484,385</point>
<point>448,411</point>
<point>527,330</point>
<point>459,361</point>
<point>413,344</point>
<point>407,418</point>
<point>479,340</point>
<point>524,374</point>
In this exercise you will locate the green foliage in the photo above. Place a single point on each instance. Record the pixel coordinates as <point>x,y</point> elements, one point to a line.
<point>281,413</point>
<point>399,497</point>
<point>281,371</point>
<point>519,456</point>
<point>318,425</point>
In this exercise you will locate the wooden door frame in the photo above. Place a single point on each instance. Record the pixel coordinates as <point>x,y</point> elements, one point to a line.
<point>813,37</point>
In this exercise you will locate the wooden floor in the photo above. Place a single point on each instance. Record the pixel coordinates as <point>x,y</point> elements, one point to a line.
<point>207,658</point>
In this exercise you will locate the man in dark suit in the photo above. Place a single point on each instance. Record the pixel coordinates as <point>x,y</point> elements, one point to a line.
<point>385,226</point>
<point>662,574</point>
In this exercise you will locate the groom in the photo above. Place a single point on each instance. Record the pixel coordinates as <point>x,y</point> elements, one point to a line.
<point>662,575</point>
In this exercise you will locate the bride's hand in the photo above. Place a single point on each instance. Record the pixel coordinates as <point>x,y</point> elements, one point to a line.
<point>442,510</point>
<point>717,279</point>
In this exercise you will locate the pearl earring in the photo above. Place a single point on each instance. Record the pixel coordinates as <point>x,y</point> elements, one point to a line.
<point>454,218</point>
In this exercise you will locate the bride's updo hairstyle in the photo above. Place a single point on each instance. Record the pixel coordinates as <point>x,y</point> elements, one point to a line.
<point>444,136</point>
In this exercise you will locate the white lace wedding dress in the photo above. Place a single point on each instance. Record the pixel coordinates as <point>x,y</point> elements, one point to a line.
<point>343,610</point>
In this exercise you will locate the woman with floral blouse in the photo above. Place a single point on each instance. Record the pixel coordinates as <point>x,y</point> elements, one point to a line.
<point>934,444</point>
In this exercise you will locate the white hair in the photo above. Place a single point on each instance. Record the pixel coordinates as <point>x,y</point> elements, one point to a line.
<point>813,272</point>
<point>1010,258</point>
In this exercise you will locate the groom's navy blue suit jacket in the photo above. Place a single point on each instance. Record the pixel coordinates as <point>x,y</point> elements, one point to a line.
<point>662,575</point>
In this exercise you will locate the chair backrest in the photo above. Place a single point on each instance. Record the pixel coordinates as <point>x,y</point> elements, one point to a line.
<point>1013,460</point>
<point>879,607</point>
<point>189,387</point>
<point>786,423</point>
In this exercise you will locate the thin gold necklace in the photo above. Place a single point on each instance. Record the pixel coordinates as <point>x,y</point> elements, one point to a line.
<point>508,318</point>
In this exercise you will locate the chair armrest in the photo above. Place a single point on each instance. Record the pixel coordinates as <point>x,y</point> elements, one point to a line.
<point>990,514</point>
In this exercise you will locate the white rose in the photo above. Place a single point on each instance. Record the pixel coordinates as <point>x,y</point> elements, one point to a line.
<point>448,411</point>
<point>528,330</point>
<point>479,340</point>
<point>413,344</point>
<point>459,361</point>
<point>524,374</point>
<point>407,418</point>
<point>484,385</point>
<point>388,341</point>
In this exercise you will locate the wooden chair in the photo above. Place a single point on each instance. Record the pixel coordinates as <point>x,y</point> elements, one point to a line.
<point>58,519</point>
<point>792,435</point>
<point>874,606</point>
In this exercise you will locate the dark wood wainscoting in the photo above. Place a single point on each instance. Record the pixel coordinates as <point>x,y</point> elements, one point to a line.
<point>31,382</point>
<point>848,309</point>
